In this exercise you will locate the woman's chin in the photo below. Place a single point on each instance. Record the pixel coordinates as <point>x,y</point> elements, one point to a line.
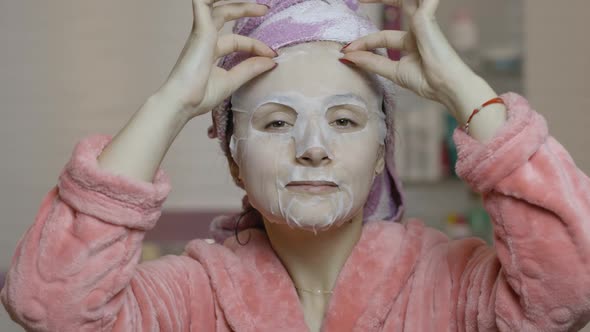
<point>315,213</point>
<point>308,219</point>
<point>311,212</point>
<point>313,225</point>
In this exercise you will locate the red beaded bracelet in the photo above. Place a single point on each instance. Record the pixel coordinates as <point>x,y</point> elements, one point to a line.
<point>496,100</point>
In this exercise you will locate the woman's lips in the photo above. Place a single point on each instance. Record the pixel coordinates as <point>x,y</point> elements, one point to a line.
<point>312,187</point>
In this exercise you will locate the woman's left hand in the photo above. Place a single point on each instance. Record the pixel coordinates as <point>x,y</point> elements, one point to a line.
<point>431,68</point>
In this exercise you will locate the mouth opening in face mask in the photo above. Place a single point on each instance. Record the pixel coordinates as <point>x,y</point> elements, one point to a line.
<point>312,187</point>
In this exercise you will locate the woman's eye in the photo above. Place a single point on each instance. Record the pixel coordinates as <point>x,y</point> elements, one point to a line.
<point>276,125</point>
<point>344,123</point>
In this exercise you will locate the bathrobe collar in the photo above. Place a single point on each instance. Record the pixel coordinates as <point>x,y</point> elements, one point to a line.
<point>255,292</point>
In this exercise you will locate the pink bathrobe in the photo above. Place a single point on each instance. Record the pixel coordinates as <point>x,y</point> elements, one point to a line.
<point>76,267</point>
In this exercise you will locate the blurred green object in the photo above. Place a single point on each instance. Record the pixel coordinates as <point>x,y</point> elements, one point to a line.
<point>451,149</point>
<point>479,219</point>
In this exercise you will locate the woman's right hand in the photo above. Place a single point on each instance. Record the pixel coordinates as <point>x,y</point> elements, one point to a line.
<point>196,84</point>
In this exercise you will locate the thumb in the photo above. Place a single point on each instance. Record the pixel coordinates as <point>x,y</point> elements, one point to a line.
<point>202,20</point>
<point>247,70</point>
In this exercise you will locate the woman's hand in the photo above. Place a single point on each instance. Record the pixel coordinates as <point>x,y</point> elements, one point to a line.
<point>195,84</point>
<point>431,68</point>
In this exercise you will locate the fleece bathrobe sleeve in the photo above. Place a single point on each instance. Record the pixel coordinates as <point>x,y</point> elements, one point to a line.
<point>76,267</point>
<point>537,276</point>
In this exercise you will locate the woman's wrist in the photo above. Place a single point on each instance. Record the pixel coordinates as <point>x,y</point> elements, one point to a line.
<point>167,103</point>
<point>465,94</point>
<point>470,94</point>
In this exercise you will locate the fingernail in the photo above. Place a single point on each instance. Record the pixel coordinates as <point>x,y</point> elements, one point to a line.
<point>345,46</point>
<point>276,54</point>
<point>347,62</point>
<point>275,66</point>
<point>267,6</point>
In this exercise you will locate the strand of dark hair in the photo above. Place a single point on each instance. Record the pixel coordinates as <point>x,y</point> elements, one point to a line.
<point>237,226</point>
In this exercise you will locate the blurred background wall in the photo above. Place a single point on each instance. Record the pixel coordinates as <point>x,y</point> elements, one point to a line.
<point>73,68</point>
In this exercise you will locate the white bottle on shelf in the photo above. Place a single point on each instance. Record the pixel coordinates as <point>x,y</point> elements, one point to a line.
<point>420,130</point>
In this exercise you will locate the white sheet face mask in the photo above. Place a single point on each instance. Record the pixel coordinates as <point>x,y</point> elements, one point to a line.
<point>308,138</point>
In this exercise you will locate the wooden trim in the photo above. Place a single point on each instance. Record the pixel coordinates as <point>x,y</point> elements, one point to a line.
<point>184,225</point>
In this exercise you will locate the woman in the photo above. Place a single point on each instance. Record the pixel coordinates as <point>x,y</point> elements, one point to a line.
<point>311,142</point>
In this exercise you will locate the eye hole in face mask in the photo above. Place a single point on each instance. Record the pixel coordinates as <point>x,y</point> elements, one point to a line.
<point>274,118</point>
<point>347,118</point>
<point>277,125</point>
<point>344,123</point>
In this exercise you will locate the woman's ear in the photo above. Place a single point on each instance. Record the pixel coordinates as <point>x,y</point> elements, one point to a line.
<point>380,164</point>
<point>237,168</point>
<point>234,170</point>
<point>239,173</point>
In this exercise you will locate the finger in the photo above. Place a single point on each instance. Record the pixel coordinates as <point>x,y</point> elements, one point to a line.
<point>209,2</point>
<point>391,39</point>
<point>247,70</point>
<point>409,42</point>
<point>428,7</point>
<point>232,11</point>
<point>396,3</point>
<point>409,7</point>
<point>233,43</point>
<point>374,63</point>
<point>202,19</point>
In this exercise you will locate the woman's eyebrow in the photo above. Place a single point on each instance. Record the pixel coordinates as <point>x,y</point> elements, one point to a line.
<point>269,108</point>
<point>343,99</point>
<point>329,101</point>
<point>272,106</point>
<point>277,99</point>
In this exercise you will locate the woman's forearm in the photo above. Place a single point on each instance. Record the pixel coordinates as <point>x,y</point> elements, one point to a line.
<point>139,148</point>
<point>470,94</point>
<point>536,279</point>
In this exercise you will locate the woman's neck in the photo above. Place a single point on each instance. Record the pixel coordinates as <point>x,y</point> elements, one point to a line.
<point>314,260</point>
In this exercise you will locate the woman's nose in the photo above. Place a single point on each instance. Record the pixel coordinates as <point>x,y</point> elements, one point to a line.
<point>314,157</point>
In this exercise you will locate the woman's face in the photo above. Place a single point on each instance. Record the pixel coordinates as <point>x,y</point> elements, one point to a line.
<point>308,138</point>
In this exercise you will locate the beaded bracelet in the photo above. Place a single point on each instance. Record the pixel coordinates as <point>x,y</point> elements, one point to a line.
<point>496,100</point>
